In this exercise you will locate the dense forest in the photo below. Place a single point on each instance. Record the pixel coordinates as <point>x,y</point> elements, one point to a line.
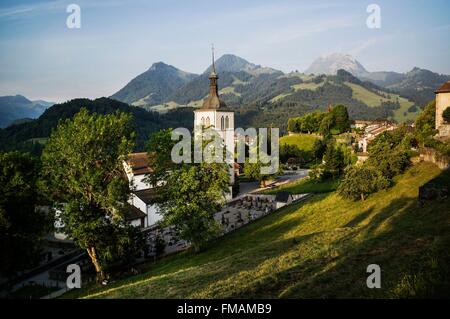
<point>29,136</point>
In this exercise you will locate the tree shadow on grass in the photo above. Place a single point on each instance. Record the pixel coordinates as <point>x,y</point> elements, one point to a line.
<point>359,218</point>
<point>409,243</point>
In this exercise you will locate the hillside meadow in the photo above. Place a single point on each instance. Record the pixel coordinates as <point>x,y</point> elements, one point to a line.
<point>319,248</point>
<point>304,142</point>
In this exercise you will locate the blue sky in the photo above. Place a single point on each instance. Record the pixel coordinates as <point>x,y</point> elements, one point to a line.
<point>42,59</point>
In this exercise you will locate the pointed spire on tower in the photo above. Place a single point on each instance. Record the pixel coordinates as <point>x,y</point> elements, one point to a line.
<point>213,71</point>
<point>212,101</point>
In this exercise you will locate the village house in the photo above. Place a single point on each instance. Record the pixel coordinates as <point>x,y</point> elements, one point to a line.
<point>442,103</point>
<point>141,210</point>
<point>372,130</point>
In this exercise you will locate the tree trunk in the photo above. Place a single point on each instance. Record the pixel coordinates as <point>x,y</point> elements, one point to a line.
<point>362,197</point>
<point>263,183</point>
<point>98,268</point>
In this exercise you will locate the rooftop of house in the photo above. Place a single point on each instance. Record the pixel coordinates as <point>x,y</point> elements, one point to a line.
<point>444,88</point>
<point>148,196</point>
<point>139,163</point>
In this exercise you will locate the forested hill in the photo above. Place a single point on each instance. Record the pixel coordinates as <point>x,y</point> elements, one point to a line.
<point>31,136</point>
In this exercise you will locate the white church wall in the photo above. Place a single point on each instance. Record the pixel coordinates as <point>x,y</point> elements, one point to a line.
<point>138,182</point>
<point>152,215</point>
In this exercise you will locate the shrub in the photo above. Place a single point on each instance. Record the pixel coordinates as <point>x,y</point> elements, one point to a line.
<point>446,115</point>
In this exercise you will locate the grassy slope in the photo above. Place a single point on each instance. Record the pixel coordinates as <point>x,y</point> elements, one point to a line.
<point>373,100</point>
<point>229,89</point>
<point>318,248</point>
<point>303,186</point>
<point>302,86</point>
<point>302,141</point>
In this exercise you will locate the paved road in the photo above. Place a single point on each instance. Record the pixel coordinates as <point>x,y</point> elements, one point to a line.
<point>252,187</point>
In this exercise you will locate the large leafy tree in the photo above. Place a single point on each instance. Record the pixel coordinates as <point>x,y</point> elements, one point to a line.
<point>159,149</point>
<point>341,119</point>
<point>189,194</point>
<point>360,181</point>
<point>83,172</point>
<point>192,194</point>
<point>333,158</point>
<point>388,154</point>
<point>21,224</point>
<point>426,122</point>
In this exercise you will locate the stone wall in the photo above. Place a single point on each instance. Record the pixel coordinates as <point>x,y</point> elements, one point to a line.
<point>431,155</point>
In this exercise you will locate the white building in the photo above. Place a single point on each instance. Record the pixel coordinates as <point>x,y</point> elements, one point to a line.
<point>141,210</point>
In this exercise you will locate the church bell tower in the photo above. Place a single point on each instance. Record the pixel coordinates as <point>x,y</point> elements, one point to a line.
<point>215,114</point>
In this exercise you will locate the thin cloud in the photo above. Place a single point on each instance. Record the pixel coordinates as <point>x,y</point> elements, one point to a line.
<point>53,6</point>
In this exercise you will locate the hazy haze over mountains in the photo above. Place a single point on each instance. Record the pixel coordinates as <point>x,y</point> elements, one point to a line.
<point>18,107</point>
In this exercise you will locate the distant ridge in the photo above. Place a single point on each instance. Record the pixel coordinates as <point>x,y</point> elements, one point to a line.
<point>152,86</point>
<point>16,107</point>
<point>330,64</point>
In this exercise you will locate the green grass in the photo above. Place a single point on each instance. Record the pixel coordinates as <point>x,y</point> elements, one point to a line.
<point>317,248</point>
<point>302,141</point>
<point>229,89</point>
<point>279,97</point>
<point>301,86</point>
<point>402,115</point>
<point>303,186</point>
<point>372,99</point>
<point>307,86</point>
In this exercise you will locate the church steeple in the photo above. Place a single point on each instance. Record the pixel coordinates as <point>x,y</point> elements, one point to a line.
<point>213,101</point>
<point>213,72</point>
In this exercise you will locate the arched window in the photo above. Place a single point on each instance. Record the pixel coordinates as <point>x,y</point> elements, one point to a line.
<point>222,123</point>
<point>227,123</point>
<point>208,122</point>
<point>203,121</point>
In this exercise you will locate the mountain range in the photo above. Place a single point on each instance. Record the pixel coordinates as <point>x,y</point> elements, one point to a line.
<point>17,108</point>
<point>163,96</point>
<point>243,83</point>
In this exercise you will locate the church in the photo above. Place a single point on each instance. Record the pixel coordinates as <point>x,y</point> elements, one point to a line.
<point>214,114</point>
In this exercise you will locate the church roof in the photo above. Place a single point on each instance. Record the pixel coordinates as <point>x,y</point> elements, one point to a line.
<point>444,88</point>
<point>148,196</point>
<point>212,101</point>
<point>139,163</point>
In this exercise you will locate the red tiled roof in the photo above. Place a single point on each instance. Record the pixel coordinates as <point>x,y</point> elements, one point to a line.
<point>139,163</point>
<point>444,88</point>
